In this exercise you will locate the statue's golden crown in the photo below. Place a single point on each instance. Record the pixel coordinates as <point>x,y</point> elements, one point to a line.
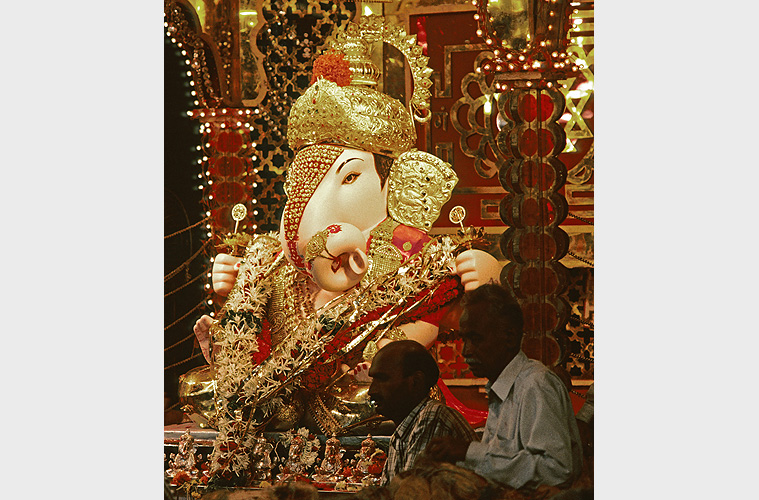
<point>357,117</point>
<point>354,114</point>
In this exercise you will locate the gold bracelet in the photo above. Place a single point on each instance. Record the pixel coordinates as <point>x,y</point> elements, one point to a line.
<point>396,334</point>
<point>370,350</point>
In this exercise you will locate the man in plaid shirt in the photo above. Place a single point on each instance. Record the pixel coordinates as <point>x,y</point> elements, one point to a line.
<point>403,372</point>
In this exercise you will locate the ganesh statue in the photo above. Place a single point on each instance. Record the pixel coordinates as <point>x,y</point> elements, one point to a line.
<point>352,267</point>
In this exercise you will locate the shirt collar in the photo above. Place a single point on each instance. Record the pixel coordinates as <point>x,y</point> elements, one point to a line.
<point>407,424</point>
<point>505,380</point>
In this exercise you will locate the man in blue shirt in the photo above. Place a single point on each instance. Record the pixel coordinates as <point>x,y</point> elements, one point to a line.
<point>530,436</point>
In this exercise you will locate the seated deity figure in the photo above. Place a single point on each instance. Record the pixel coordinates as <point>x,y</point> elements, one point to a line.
<point>352,267</point>
<point>331,467</point>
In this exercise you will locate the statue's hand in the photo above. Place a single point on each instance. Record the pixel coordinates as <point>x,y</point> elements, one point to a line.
<point>202,332</point>
<point>476,268</point>
<point>360,372</point>
<point>224,273</point>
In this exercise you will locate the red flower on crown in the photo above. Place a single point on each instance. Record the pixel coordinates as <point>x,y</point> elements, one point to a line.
<point>332,66</point>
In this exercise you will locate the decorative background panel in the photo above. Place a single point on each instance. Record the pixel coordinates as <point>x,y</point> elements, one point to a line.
<point>579,294</point>
<point>464,114</point>
<point>578,122</point>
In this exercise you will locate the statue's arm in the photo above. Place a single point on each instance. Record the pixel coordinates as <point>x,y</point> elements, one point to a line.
<point>223,276</point>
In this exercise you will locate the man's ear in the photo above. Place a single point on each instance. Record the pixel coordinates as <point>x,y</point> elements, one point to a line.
<point>416,382</point>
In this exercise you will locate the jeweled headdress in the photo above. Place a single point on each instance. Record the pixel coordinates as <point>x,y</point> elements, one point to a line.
<point>350,112</point>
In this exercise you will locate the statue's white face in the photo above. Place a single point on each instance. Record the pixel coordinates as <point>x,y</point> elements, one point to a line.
<point>351,201</point>
<point>350,192</point>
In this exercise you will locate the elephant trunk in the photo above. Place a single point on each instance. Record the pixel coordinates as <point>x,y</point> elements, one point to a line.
<point>337,257</point>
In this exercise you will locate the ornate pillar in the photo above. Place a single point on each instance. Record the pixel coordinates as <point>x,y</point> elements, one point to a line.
<point>526,56</point>
<point>533,208</point>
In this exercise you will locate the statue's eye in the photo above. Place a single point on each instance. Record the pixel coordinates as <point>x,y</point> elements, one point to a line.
<point>350,178</point>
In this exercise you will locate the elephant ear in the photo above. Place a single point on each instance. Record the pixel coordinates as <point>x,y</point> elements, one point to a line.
<point>419,185</point>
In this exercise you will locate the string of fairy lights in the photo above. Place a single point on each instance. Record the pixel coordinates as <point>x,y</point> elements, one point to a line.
<point>197,94</point>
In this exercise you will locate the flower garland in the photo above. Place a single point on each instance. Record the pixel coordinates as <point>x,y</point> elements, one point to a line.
<point>240,339</point>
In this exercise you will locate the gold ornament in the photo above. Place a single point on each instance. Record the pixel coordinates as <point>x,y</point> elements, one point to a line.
<point>238,213</point>
<point>196,393</point>
<point>370,350</point>
<point>457,215</point>
<point>316,245</point>
<point>357,115</point>
<point>420,184</point>
<point>384,257</point>
<point>396,334</point>
<point>375,29</point>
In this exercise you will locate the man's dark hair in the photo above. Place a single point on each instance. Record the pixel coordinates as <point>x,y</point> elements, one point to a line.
<point>500,303</point>
<point>412,357</point>
<point>382,164</point>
